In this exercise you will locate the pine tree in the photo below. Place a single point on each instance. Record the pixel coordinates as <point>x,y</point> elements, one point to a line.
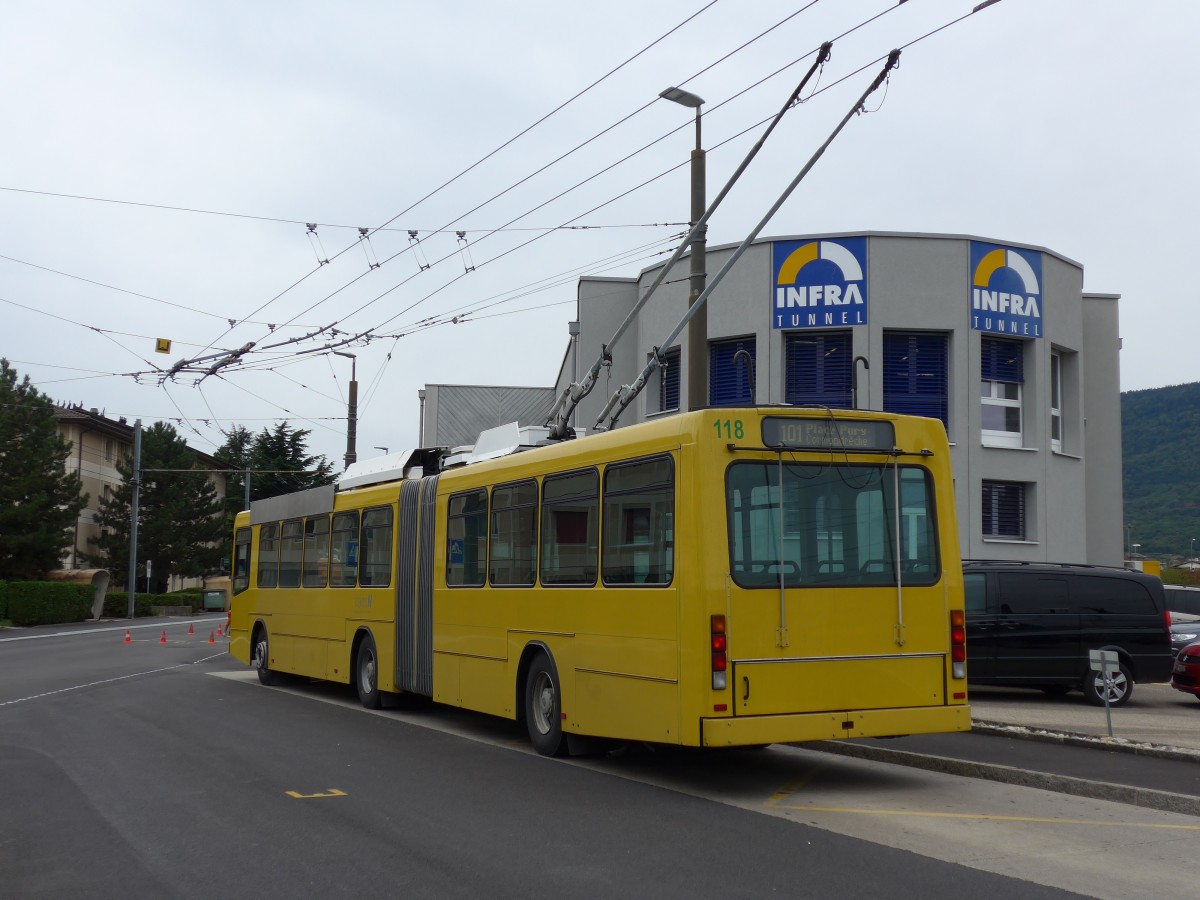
<point>278,459</point>
<point>40,500</point>
<point>181,530</point>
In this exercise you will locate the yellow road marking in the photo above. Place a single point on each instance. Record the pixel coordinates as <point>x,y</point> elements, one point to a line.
<point>332,792</point>
<point>794,786</point>
<point>985,818</point>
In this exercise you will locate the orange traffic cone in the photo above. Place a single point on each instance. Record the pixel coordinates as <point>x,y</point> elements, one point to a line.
<point>163,639</point>
<point>219,632</point>
<point>128,639</point>
<point>191,630</point>
<point>210,638</point>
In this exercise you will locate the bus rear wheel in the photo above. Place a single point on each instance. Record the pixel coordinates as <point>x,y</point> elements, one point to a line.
<point>543,708</point>
<point>262,658</point>
<point>367,674</point>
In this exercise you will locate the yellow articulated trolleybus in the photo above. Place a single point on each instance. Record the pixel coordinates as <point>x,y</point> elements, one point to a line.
<point>720,578</point>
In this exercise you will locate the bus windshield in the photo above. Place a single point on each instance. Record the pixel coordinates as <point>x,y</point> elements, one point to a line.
<point>836,524</point>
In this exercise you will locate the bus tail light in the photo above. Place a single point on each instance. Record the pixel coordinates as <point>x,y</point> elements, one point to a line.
<point>720,655</point>
<point>958,643</point>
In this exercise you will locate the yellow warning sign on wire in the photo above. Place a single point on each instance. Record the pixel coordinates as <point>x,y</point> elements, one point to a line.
<point>162,345</point>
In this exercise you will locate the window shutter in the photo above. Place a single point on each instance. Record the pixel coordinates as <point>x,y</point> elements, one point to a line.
<point>915,374</point>
<point>730,383</point>
<point>668,385</point>
<point>1004,509</point>
<point>819,369</point>
<point>1001,360</point>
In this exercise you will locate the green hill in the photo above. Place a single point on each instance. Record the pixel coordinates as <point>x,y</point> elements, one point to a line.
<point>1160,440</point>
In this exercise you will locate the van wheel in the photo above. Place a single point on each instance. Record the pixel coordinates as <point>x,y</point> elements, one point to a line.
<point>1118,694</point>
<point>543,708</point>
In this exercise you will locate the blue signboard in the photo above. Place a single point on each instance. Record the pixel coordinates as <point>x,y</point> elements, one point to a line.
<point>1006,290</point>
<point>819,284</point>
<point>456,552</point>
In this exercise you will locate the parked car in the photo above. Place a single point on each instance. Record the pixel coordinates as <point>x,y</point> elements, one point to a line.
<point>1033,625</point>
<point>1182,598</point>
<point>1186,674</point>
<point>1185,630</point>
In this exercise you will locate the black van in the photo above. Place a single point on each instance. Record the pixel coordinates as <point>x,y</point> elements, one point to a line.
<point>1032,625</point>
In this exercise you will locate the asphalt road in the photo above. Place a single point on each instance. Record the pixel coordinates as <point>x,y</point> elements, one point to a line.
<point>164,770</point>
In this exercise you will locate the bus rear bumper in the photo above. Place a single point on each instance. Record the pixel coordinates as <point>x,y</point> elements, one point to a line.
<point>736,731</point>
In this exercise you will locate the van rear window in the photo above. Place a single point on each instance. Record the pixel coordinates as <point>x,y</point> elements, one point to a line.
<point>1113,596</point>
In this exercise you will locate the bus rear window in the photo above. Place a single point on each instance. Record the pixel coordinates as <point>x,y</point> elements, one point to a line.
<point>817,524</point>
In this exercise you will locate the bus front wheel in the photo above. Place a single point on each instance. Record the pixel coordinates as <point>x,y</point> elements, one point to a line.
<point>543,708</point>
<point>262,658</point>
<point>367,669</point>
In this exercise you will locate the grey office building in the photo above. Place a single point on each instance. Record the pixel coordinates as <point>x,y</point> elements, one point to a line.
<point>995,339</point>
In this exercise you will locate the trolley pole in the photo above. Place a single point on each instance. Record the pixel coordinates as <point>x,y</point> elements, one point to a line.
<point>135,485</point>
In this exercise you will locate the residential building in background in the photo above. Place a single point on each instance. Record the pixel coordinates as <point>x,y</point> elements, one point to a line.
<point>97,445</point>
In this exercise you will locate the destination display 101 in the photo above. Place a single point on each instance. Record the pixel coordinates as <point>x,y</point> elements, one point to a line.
<point>827,434</point>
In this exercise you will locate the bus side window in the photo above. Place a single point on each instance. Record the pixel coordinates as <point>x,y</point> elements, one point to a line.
<point>570,528</point>
<point>291,550</point>
<point>466,539</point>
<point>639,507</point>
<point>316,551</point>
<point>375,561</point>
<point>268,555</point>
<point>343,555</point>
<point>514,535</point>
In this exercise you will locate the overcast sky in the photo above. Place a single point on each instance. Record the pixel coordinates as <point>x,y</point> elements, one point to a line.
<point>208,134</point>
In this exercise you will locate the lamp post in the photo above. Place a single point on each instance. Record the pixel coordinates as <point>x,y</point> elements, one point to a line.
<point>351,408</point>
<point>384,449</point>
<point>697,385</point>
<point>1128,539</point>
<point>1193,553</point>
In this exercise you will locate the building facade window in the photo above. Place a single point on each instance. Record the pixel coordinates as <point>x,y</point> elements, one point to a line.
<point>819,369</point>
<point>1004,510</point>
<point>1056,402</point>
<point>1001,377</point>
<point>668,381</point>
<point>916,374</point>
<point>730,375</point>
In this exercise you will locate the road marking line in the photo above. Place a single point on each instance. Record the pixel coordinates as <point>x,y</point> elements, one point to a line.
<point>78,687</point>
<point>985,818</point>
<point>34,637</point>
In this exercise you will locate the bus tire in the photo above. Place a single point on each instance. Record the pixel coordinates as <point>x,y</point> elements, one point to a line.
<point>262,657</point>
<point>366,673</point>
<point>543,707</point>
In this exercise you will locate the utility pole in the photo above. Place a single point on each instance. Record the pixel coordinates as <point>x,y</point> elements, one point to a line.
<point>351,409</point>
<point>697,381</point>
<point>135,484</point>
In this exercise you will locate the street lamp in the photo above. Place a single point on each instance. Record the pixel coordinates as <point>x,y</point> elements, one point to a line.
<point>1193,553</point>
<point>384,449</point>
<point>351,408</point>
<point>698,326</point>
<point>1136,548</point>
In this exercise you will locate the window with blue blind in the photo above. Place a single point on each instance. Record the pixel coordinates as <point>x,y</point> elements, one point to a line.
<point>1001,360</point>
<point>916,374</point>
<point>820,369</point>
<point>1004,510</point>
<point>730,380</point>
<point>1001,374</point>
<point>668,381</point>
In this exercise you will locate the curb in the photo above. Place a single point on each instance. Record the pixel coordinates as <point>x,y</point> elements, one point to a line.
<point>1074,739</point>
<point>1163,801</point>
